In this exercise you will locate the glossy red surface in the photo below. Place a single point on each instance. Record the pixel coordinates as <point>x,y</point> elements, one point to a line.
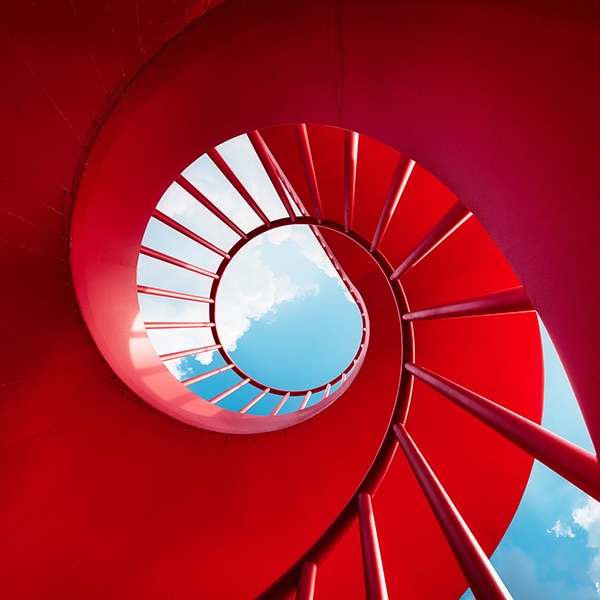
<point>102,496</point>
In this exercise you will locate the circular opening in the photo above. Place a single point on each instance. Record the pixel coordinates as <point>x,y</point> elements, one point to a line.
<point>284,315</point>
<point>250,312</point>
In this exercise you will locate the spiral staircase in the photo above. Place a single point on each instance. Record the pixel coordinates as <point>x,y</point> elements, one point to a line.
<point>116,479</point>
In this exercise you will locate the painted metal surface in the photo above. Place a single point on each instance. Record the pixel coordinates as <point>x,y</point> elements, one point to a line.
<point>498,101</point>
<point>375,586</point>
<point>575,464</point>
<point>482,577</point>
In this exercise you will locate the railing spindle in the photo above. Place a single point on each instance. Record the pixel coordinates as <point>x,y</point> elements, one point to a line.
<point>229,391</point>
<point>176,262</point>
<point>190,352</point>
<point>193,191</point>
<point>375,585</point>
<point>483,579</point>
<point>306,582</point>
<point>280,404</point>
<point>399,180</point>
<point>254,401</point>
<point>263,155</point>
<point>449,223</point>
<point>152,291</point>
<point>507,301</point>
<point>309,168</point>
<point>176,325</point>
<point>350,165</point>
<point>575,464</point>
<point>177,226</point>
<point>206,375</point>
<point>222,165</point>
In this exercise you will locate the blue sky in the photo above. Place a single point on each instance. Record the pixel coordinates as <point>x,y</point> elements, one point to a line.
<point>283,313</point>
<point>551,550</point>
<point>287,319</point>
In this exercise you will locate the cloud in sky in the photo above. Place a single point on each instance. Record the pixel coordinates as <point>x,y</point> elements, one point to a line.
<point>560,530</point>
<point>588,518</point>
<point>249,292</point>
<point>253,289</point>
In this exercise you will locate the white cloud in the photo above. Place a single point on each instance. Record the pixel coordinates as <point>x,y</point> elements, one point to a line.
<point>177,368</point>
<point>281,234</point>
<point>313,251</point>
<point>560,530</point>
<point>588,518</point>
<point>250,291</point>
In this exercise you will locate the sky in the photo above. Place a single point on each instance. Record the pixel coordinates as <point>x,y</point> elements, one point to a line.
<point>551,550</point>
<point>288,320</point>
<point>282,311</point>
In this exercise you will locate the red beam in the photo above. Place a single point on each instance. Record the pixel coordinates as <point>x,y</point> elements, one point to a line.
<point>152,291</point>
<point>265,159</point>
<point>176,262</point>
<point>280,405</point>
<point>350,164</point>
<point>254,401</point>
<point>190,352</point>
<point>305,401</point>
<point>399,180</point>
<point>508,301</point>
<point>193,191</point>
<point>309,168</point>
<point>451,221</point>
<point>229,391</point>
<point>206,375</point>
<point>306,582</point>
<point>575,464</point>
<point>375,585</point>
<point>177,226</point>
<point>237,184</point>
<point>176,325</point>
<point>483,579</point>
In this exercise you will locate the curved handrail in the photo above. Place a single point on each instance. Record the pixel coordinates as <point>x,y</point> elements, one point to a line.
<point>384,456</point>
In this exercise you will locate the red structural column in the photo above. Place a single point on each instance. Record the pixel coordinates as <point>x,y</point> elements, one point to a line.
<point>177,325</point>
<point>399,180</point>
<point>575,464</point>
<point>177,226</point>
<point>206,375</point>
<point>222,165</point>
<point>373,567</point>
<point>267,162</point>
<point>350,165</point>
<point>506,301</point>
<point>449,223</point>
<point>483,579</point>
<point>306,583</point>
<point>189,352</point>
<point>309,168</point>
<point>229,391</point>
<point>145,289</point>
<point>193,191</point>
<point>166,258</point>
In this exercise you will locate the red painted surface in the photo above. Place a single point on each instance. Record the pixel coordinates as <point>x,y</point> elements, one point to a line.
<point>103,497</point>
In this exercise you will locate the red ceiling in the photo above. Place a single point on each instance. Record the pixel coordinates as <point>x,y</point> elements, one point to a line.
<point>100,495</point>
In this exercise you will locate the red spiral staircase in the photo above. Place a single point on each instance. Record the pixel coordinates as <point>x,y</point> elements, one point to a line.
<point>104,104</point>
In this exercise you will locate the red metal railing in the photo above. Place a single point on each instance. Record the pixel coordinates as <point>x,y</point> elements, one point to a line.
<point>571,462</point>
<point>292,205</point>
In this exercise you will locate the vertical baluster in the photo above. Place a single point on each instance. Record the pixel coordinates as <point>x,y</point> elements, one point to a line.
<point>399,180</point>
<point>350,165</point>
<point>483,579</point>
<point>373,567</point>
<point>306,582</point>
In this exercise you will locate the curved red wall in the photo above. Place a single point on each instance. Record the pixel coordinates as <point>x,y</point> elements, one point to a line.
<point>499,101</point>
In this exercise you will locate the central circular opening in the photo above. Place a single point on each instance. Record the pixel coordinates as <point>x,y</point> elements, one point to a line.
<point>285,314</point>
